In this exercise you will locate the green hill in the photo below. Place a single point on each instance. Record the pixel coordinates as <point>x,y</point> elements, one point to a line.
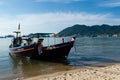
<point>95,30</point>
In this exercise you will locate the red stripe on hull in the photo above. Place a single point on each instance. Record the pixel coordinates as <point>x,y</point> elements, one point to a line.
<point>21,50</point>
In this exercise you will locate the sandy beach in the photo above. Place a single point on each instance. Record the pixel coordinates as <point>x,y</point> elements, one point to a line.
<point>111,72</point>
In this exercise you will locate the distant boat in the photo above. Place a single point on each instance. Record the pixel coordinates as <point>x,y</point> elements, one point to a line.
<point>57,51</point>
<point>2,37</point>
<point>9,36</point>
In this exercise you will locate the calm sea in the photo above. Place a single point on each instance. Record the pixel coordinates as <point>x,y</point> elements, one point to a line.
<point>87,51</point>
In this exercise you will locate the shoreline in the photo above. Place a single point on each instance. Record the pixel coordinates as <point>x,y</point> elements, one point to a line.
<point>110,72</point>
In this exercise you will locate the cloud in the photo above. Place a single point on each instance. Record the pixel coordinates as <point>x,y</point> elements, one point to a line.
<point>52,22</point>
<point>110,3</point>
<point>66,1</point>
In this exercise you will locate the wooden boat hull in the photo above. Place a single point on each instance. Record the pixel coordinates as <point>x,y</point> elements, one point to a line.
<point>50,52</point>
<point>26,51</point>
<point>56,51</point>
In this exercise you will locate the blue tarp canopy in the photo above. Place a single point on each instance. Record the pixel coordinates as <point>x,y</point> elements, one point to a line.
<point>40,34</point>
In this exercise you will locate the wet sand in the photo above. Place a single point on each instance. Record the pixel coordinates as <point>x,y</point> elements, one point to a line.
<point>111,72</point>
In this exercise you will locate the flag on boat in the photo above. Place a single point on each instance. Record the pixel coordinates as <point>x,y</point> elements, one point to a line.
<point>19,27</point>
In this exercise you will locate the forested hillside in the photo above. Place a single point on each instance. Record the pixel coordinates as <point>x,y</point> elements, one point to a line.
<point>83,30</point>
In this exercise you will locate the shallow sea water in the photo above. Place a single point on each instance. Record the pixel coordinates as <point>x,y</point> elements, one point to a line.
<point>87,51</point>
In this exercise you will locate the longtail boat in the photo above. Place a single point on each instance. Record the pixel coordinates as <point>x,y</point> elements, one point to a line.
<point>61,50</point>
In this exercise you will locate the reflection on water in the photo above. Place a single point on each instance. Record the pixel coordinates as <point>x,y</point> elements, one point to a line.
<point>86,52</point>
<point>25,67</point>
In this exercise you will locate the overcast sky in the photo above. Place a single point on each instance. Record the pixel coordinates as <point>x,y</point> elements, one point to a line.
<point>55,15</point>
